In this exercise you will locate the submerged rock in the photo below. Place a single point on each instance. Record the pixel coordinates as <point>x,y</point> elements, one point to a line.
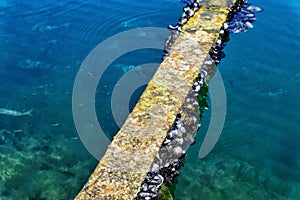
<point>33,65</point>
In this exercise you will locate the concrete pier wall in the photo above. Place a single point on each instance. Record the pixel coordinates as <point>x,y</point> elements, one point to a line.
<point>129,157</point>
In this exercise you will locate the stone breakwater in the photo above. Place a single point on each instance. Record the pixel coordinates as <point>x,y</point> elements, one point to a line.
<point>148,149</point>
<point>169,159</point>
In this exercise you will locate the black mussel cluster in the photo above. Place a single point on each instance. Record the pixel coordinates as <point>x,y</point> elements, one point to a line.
<point>240,18</point>
<point>166,164</point>
<point>150,186</point>
<point>188,11</point>
<point>154,180</point>
<point>243,18</point>
<point>216,52</point>
<point>200,81</point>
<point>169,159</point>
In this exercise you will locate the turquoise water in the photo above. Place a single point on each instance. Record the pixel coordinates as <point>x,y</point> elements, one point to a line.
<point>258,154</point>
<point>42,47</point>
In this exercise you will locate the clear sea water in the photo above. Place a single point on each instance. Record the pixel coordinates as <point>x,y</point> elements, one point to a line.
<point>258,154</point>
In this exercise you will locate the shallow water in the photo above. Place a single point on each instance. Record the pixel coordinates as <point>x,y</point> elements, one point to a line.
<point>257,156</point>
<point>42,47</point>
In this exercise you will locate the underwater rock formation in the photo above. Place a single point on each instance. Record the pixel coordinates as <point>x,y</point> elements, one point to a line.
<point>33,65</point>
<point>222,176</point>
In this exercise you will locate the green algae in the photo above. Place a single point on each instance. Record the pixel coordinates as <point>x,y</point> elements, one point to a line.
<point>165,193</point>
<point>202,99</point>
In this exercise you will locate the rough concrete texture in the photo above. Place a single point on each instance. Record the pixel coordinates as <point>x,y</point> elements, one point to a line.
<point>122,169</point>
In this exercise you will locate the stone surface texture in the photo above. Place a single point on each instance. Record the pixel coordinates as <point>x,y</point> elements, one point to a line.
<point>122,169</point>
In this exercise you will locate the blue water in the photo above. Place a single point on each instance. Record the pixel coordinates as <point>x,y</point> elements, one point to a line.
<point>43,43</point>
<point>258,154</point>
